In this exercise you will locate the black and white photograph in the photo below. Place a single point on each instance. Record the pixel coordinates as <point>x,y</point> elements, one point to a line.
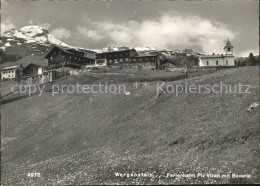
<point>129,92</point>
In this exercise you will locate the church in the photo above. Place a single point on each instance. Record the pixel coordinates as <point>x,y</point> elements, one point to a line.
<point>227,59</point>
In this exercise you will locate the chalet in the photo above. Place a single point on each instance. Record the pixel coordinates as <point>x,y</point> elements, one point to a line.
<point>213,60</point>
<point>115,57</point>
<point>11,72</point>
<point>61,57</point>
<point>151,62</point>
<point>36,74</point>
<point>128,58</point>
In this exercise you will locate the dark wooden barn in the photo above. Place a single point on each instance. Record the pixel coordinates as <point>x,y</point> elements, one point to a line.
<point>32,69</point>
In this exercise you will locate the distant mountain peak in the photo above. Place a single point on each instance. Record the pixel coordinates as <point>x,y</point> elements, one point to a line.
<point>31,34</point>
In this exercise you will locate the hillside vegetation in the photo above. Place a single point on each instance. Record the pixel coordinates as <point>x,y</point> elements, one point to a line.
<point>86,138</point>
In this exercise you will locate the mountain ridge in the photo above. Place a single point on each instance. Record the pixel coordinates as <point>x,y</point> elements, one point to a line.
<point>35,39</point>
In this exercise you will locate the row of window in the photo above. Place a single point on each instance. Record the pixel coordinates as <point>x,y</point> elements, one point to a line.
<point>129,59</point>
<point>70,63</point>
<point>142,59</point>
<point>217,62</point>
<point>147,64</point>
<point>7,72</point>
<point>113,55</point>
<point>61,57</point>
<point>151,64</point>
<point>11,76</point>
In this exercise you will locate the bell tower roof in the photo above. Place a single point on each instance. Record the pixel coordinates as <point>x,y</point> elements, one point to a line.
<point>228,44</point>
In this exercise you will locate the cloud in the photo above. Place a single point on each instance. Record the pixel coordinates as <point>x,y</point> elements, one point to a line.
<point>46,26</point>
<point>170,30</point>
<point>61,33</point>
<point>6,25</point>
<point>247,52</point>
<point>94,35</point>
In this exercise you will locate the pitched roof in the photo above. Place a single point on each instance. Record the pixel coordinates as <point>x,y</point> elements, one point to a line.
<point>7,64</point>
<point>11,67</point>
<point>36,65</point>
<point>37,60</point>
<point>56,47</point>
<point>210,56</point>
<point>63,50</point>
<point>228,44</point>
<point>213,56</point>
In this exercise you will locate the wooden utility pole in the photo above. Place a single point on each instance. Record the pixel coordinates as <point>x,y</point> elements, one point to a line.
<point>185,66</point>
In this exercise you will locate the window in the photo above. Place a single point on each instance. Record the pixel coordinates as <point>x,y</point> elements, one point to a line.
<point>216,62</point>
<point>121,60</point>
<point>207,62</point>
<point>228,49</point>
<point>226,62</point>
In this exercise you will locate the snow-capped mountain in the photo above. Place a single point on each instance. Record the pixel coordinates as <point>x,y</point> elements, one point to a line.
<point>30,34</point>
<point>28,40</point>
<point>148,50</point>
<point>120,48</point>
<point>113,48</point>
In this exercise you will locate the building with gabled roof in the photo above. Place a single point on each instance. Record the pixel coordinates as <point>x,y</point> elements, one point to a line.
<point>115,57</point>
<point>149,61</point>
<point>61,57</point>
<point>36,74</point>
<point>227,59</point>
<point>128,58</point>
<point>11,72</point>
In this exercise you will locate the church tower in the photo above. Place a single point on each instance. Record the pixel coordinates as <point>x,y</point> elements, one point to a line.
<point>228,48</point>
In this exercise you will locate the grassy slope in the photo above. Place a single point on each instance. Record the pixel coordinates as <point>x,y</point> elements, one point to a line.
<point>85,138</point>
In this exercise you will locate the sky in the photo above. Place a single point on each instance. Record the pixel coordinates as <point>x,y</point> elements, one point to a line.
<point>203,26</point>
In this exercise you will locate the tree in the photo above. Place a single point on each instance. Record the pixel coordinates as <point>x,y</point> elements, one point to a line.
<point>251,60</point>
<point>8,57</point>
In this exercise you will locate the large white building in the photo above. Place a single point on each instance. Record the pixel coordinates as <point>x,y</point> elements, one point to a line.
<point>227,59</point>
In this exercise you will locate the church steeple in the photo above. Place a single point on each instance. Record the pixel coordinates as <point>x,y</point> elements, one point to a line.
<point>228,48</point>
